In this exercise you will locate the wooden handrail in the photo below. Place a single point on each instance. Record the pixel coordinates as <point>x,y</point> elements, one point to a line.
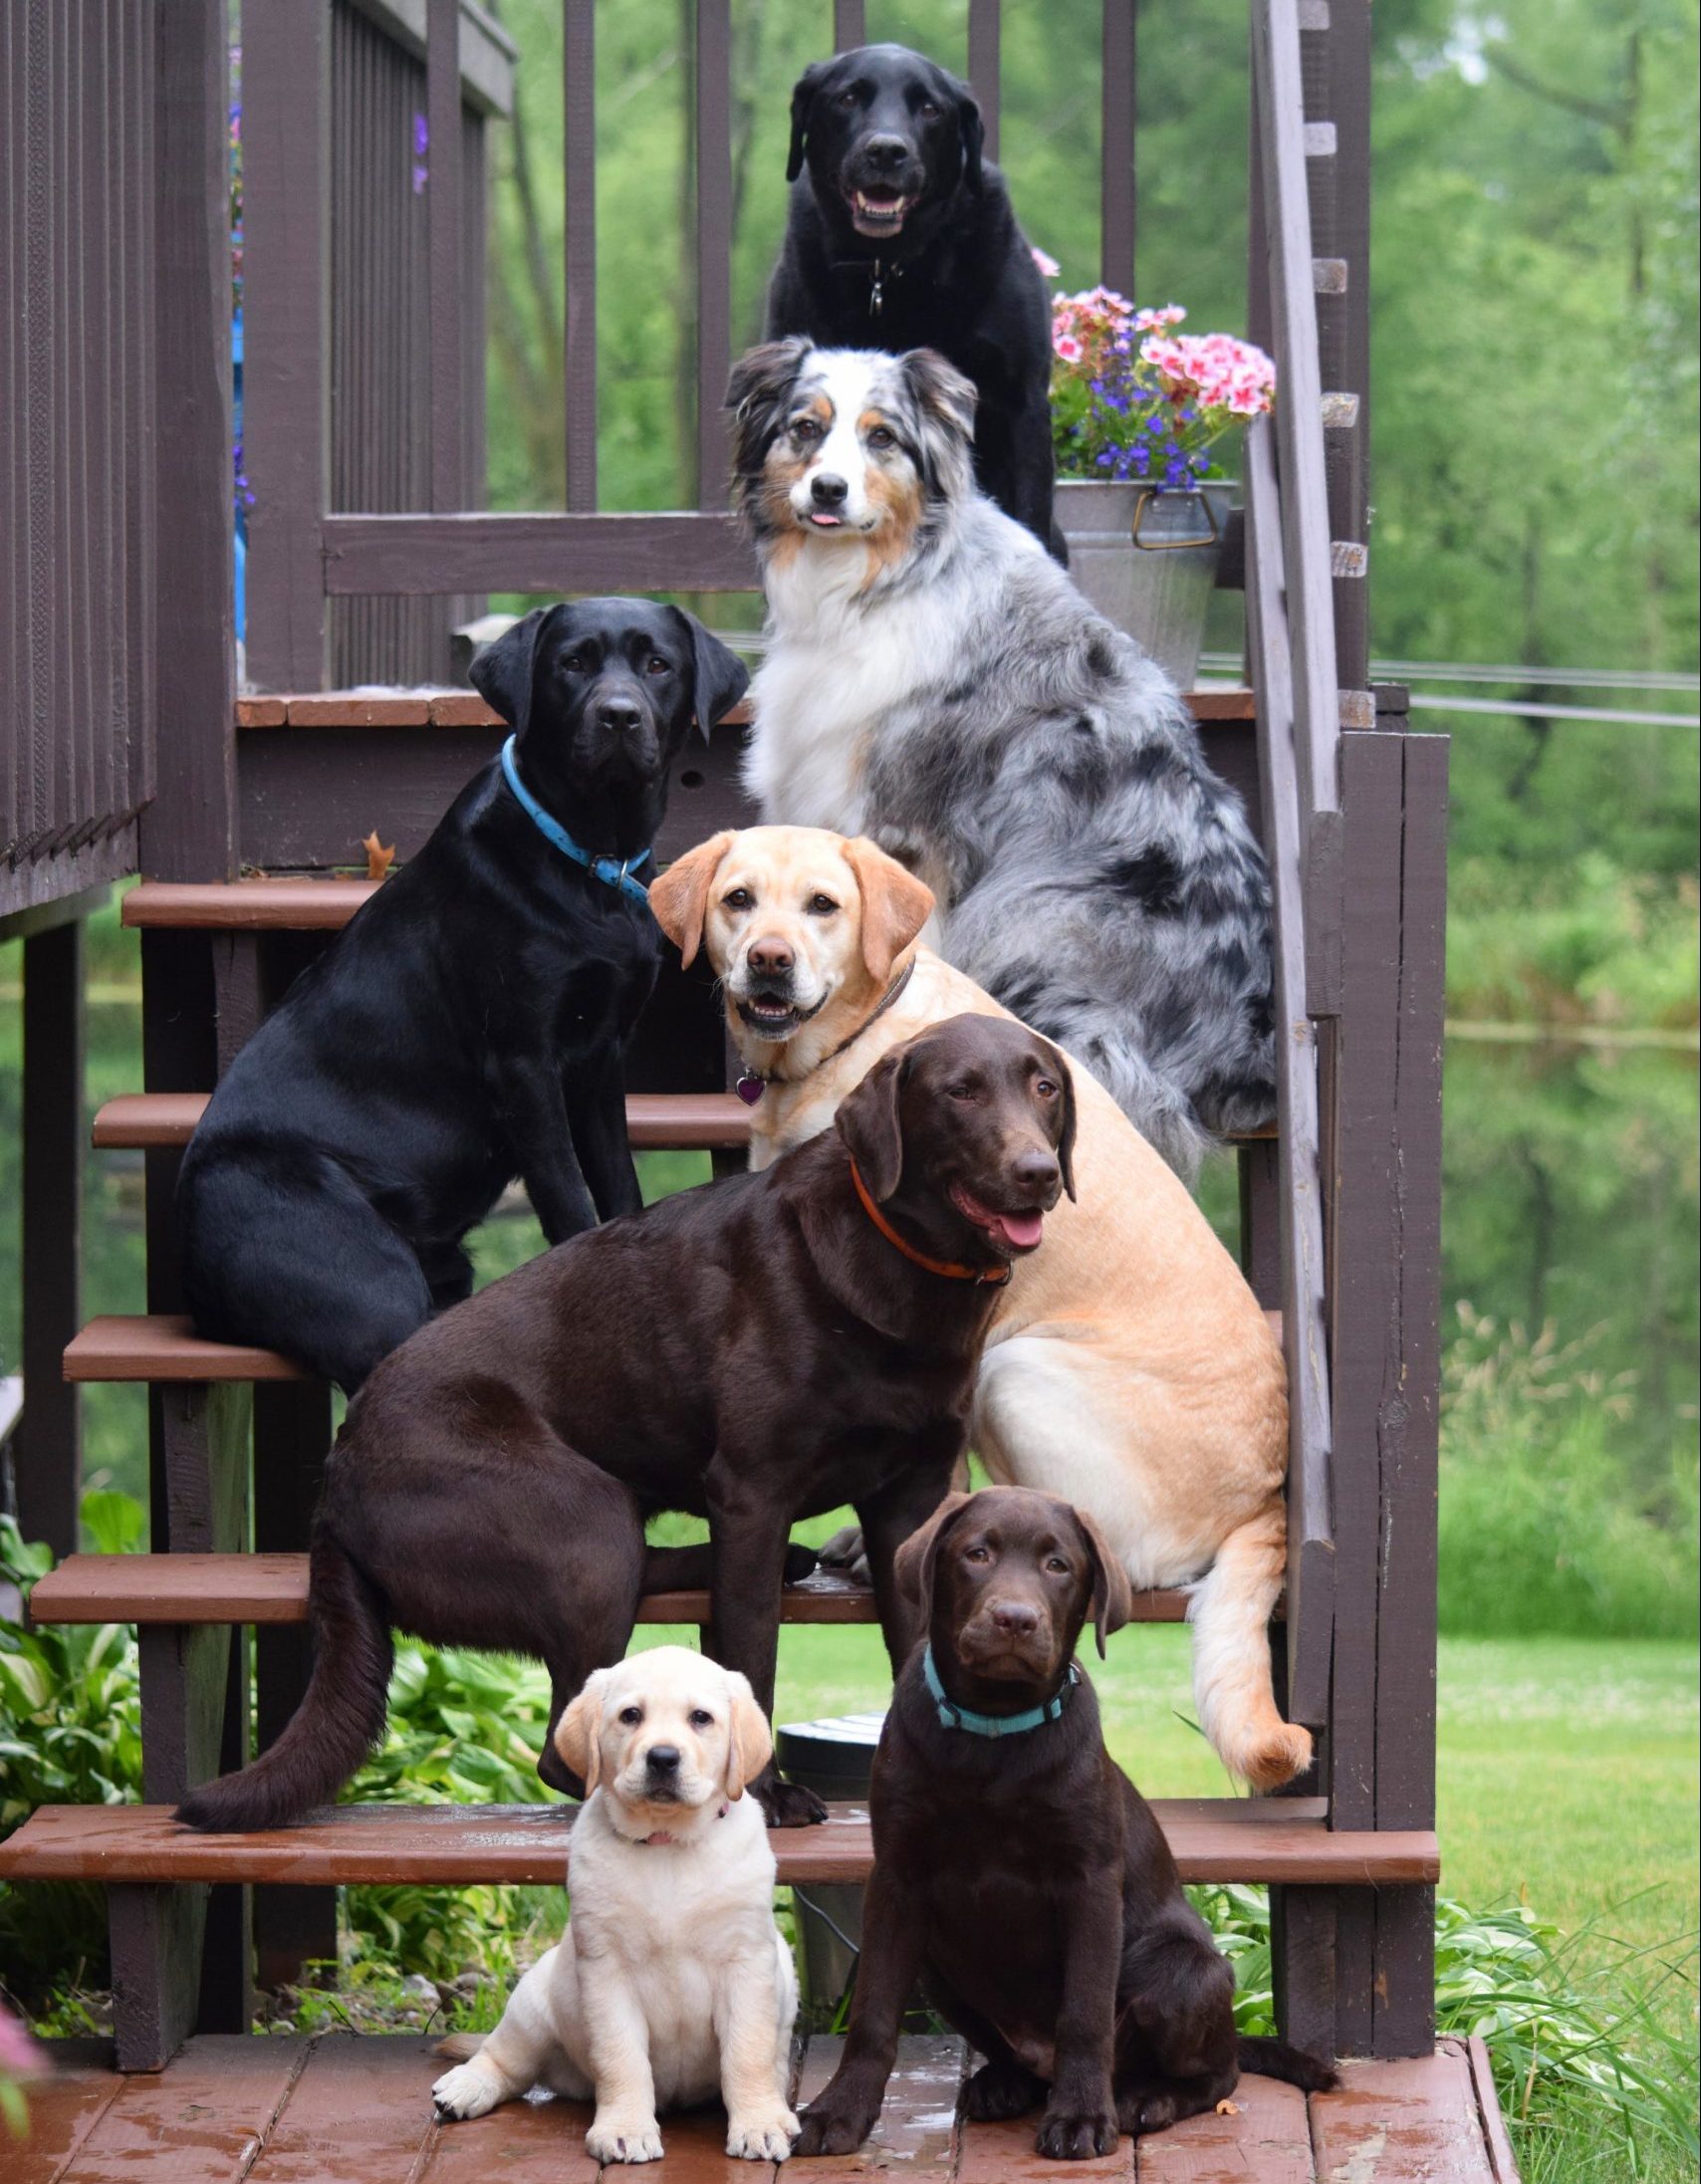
<point>1280,98</point>
<point>1311,1541</point>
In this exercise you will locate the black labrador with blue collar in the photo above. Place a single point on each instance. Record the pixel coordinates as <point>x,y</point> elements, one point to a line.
<point>471,1022</point>
<point>1019,1871</point>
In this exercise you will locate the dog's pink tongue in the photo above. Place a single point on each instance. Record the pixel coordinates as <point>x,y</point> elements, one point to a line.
<point>1021,1230</point>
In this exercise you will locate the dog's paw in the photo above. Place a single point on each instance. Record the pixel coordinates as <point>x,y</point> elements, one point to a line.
<point>825,2130</point>
<point>999,2090</point>
<point>465,2091</point>
<point>1076,2134</point>
<point>1141,2112</point>
<point>761,2135</point>
<point>788,1803</point>
<point>554,1771</point>
<point>845,1551</point>
<point>624,2138</point>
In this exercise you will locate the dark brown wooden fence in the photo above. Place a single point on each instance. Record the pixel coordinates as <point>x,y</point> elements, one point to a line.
<point>77,427</point>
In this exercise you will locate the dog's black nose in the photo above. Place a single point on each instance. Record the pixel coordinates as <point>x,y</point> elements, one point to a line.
<point>828,491</point>
<point>1018,1617</point>
<point>620,716</point>
<point>885,152</point>
<point>1034,1170</point>
<point>663,1759</point>
<point>769,957</point>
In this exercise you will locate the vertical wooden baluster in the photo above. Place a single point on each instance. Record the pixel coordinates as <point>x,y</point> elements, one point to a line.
<point>1116,187</point>
<point>714,244</point>
<point>578,48</point>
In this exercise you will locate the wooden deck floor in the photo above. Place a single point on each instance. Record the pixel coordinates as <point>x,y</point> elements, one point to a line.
<point>344,2108</point>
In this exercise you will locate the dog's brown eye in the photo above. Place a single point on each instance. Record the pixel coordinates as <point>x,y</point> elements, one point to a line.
<point>822,905</point>
<point>928,111</point>
<point>881,438</point>
<point>576,665</point>
<point>739,899</point>
<point>848,97</point>
<point>806,429</point>
<point>700,1719</point>
<point>656,666</point>
<point>632,1715</point>
<point>1046,1089</point>
<point>1058,1564</point>
<point>960,1092</point>
<point>978,1554</point>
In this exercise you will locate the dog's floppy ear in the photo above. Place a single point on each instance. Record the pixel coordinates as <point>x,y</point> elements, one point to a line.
<point>915,1560</point>
<point>974,135</point>
<point>757,392</point>
<point>896,905</point>
<point>803,97</point>
<point>1065,1142</point>
<point>1112,1596</point>
<point>719,677</point>
<point>749,1741</point>
<point>579,1733</point>
<point>501,672</point>
<point>870,1124</point>
<point>944,404</point>
<point>679,896</point>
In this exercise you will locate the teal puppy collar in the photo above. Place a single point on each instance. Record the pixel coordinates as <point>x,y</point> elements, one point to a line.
<point>953,1715</point>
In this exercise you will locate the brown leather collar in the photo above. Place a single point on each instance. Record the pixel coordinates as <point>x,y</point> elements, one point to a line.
<point>987,1276</point>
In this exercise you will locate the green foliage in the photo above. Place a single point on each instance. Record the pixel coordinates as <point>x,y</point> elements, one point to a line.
<point>1539,1529</point>
<point>70,1734</point>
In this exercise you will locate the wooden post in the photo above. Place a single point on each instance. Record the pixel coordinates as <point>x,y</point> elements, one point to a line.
<point>1116,187</point>
<point>579,64</point>
<point>713,137</point>
<point>47,1448</point>
<point>984,28</point>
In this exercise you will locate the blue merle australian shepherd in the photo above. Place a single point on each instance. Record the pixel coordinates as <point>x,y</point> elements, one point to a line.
<point>935,680</point>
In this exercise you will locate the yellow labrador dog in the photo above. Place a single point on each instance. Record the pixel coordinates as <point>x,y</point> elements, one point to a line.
<point>672,1981</point>
<point>1128,1370</point>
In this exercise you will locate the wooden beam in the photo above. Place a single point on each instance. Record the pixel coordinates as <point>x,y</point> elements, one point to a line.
<point>441,554</point>
<point>713,135</point>
<point>579,64</point>
<point>445,241</point>
<point>1117,180</point>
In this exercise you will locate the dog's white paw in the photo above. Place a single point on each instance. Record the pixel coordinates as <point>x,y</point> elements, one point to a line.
<point>465,2091</point>
<point>624,2138</point>
<point>765,2135</point>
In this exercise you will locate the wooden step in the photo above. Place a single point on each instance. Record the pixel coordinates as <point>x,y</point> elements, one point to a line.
<point>466,710</point>
<point>163,1349</point>
<point>1273,1840</point>
<point>655,1121</point>
<point>272,1588</point>
<point>339,2108</point>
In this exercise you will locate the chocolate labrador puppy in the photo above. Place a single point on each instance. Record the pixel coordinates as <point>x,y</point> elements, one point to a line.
<point>1018,1870</point>
<point>756,1350</point>
<point>470,1023</point>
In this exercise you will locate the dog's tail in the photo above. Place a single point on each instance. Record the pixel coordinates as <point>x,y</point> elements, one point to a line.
<point>1229,1612</point>
<point>341,1717</point>
<point>462,2047</point>
<point>1293,2066</point>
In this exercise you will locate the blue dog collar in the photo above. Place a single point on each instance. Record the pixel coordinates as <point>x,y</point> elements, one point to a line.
<point>609,870</point>
<point>952,1716</point>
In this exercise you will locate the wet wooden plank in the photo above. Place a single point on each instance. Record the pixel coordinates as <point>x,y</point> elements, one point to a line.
<point>1267,2138</point>
<point>1495,2138</point>
<point>522,2142</point>
<point>201,2121</point>
<point>358,2113</point>
<point>694,1121</point>
<point>64,2107</point>
<point>163,1346</point>
<point>917,2132</point>
<point>1403,2121</point>
<point>281,905</point>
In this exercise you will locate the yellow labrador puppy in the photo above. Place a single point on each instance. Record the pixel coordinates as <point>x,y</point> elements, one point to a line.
<point>672,1981</point>
<point>1129,1368</point>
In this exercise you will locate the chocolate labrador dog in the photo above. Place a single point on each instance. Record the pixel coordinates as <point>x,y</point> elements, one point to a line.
<point>1017,1867</point>
<point>756,1350</point>
<point>470,1023</point>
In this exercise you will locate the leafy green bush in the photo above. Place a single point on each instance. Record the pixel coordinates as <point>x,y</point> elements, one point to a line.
<point>1540,1529</point>
<point>70,1734</point>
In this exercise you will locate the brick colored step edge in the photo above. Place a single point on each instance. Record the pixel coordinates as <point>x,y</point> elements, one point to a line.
<point>162,1349</point>
<point>466,710</point>
<point>272,1588</point>
<point>1277,1839</point>
<point>655,1121</point>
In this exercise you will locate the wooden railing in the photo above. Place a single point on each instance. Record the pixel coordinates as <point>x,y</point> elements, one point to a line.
<point>301,554</point>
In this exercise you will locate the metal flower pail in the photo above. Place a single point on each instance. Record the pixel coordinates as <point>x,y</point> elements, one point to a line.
<point>1148,560</point>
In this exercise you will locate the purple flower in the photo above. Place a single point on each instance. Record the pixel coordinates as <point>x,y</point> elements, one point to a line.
<point>421,148</point>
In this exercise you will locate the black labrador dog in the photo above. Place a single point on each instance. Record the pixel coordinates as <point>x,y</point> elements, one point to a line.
<point>755,1351</point>
<point>469,1024</point>
<point>1018,1870</point>
<point>900,235</point>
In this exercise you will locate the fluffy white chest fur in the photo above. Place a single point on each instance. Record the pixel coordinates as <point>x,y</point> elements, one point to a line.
<point>835,670</point>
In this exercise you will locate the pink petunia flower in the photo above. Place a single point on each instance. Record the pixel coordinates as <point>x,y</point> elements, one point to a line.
<point>1047,264</point>
<point>1066,346</point>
